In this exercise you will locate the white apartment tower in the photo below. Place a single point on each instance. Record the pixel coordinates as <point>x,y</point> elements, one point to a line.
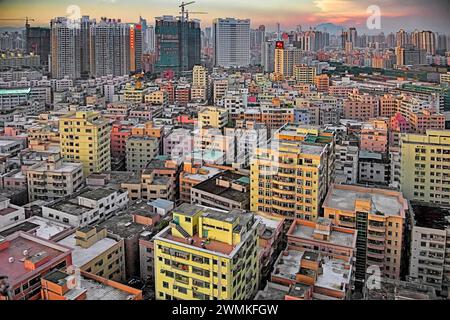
<point>65,48</point>
<point>110,48</point>
<point>231,42</point>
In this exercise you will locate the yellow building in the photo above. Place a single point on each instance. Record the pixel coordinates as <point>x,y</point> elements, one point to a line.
<point>94,251</point>
<point>207,254</point>
<point>290,177</point>
<point>304,74</point>
<point>285,60</point>
<point>157,98</point>
<point>134,93</point>
<point>425,166</point>
<point>85,138</point>
<point>199,76</point>
<point>213,117</point>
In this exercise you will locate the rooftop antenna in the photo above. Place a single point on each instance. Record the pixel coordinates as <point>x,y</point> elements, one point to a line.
<point>278,31</point>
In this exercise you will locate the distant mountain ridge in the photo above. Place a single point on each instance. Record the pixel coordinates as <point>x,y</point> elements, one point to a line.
<point>331,28</point>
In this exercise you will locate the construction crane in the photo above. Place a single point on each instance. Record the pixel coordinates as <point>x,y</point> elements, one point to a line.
<point>26,19</point>
<point>182,6</point>
<point>189,12</point>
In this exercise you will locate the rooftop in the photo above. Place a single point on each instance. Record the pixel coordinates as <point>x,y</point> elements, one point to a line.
<point>95,290</point>
<point>210,185</point>
<point>383,201</point>
<point>123,226</point>
<point>81,256</point>
<point>336,237</point>
<point>41,227</point>
<point>70,206</point>
<point>400,290</point>
<point>210,245</point>
<point>97,194</point>
<point>162,203</point>
<point>19,243</point>
<point>14,91</point>
<point>335,273</point>
<point>272,291</point>
<point>203,174</point>
<point>431,216</point>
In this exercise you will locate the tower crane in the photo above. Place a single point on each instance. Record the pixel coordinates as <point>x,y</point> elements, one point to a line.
<point>189,12</point>
<point>26,19</point>
<point>182,6</point>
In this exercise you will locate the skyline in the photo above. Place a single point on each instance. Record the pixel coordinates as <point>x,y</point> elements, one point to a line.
<point>289,13</point>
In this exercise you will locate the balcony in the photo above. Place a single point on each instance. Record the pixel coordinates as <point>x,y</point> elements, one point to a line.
<point>375,255</point>
<point>377,228</point>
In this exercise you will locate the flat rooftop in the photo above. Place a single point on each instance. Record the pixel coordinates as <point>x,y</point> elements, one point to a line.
<point>40,227</point>
<point>203,174</point>
<point>272,291</point>
<point>335,273</point>
<point>95,290</point>
<point>18,243</point>
<point>161,203</point>
<point>429,216</point>
<point>123,226</point>
<point>400,290</point>
<point>70,207</point>
<point>81,256</point>
<point>336,237</point>
<point>212,187</point>
<point>5,211</point>
<point>344,198</point>
<point>211,245</point>
<point>288,264</point>
<point>66,167</point>
<point>97,194</point>
<point>141,208</point>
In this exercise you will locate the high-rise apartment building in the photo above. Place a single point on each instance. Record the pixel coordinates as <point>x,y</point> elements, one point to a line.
<point>178,44</point>
<point>425,173</point>
<point>38,42</point>
<point>231,42</point>
<point>110,50</point>
<point>290,177</point>
<point>85,45</point>
<point>402,38</point>
<point>425,40</point>
<point>207,254</point>
<point>285,60</point>
<point>410,55</point>
<point>268,56</point>
<point>199,90</point>
<point>85,138</point>
<point>65,48</point>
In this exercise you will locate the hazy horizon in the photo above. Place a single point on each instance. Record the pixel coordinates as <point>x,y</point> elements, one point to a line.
<point>408,14</point>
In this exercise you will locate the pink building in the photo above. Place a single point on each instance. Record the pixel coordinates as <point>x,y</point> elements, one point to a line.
<point>185,119</point>
<point>25,259</point>
<point>119,136</point>
<point>399,123</point>
<point>374,136</point>
<point>361,107</point>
